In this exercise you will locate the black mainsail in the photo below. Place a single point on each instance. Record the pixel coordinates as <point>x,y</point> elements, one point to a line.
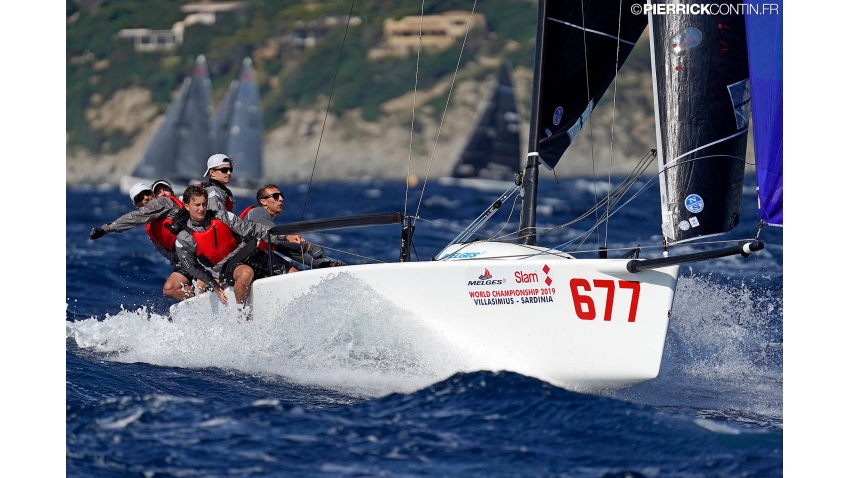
<point>702,92</point>
<point>492,150</point>
<point>580,48</point>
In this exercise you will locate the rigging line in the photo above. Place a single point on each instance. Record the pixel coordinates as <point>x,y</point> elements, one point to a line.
<point>613,117</point>
<point>349,253</point>
<point>593,31</point>
<point>619,193</point>
<point>413,114</point>
<point>448,226</point>
<point>513,206</point>
<point>739,133</point>
<point>590,115</point>
<point>327,110</point>
<point>440,129</point>
<point>691,160</point>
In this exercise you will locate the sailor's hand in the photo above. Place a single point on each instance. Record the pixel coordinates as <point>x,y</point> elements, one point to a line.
<point>220,293</point>
<point>315,251</point>
<point>295,239</point>
<point>97,233</point>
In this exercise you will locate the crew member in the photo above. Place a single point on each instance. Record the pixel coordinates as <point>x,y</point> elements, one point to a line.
<point>220,198</point>
<point>219,170</point>
<point>209,247</point>
<point>270,199</point>
<point>155,214</point>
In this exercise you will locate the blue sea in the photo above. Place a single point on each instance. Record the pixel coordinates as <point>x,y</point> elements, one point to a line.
<point>149,397</point>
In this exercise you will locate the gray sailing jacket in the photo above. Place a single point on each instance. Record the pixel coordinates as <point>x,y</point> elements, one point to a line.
<point>217,198</point>
<point>155,209</point>
<point>308,254</point>
<point>186,248</point>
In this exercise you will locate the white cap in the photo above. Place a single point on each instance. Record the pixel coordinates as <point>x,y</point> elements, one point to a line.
<point>163,182</point>
<point>217,160</point>
<point>137,188</point>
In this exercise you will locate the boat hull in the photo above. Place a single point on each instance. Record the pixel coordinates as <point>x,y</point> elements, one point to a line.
<point>583,324</point>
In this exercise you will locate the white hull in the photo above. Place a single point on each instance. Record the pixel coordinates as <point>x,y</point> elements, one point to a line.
<point>530,327</point>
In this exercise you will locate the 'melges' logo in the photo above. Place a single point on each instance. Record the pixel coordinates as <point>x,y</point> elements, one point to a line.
<point>486,279</point>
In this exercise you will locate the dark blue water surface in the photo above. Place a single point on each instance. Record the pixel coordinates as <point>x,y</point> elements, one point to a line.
<point>150,397</point>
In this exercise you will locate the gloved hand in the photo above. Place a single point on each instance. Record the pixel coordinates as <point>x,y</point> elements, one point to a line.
<point>97,233</point>
<point>178,222</point>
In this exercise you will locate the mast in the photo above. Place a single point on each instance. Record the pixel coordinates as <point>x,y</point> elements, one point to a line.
<point>528,212</point>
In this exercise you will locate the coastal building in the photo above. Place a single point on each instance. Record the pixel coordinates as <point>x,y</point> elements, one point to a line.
<point>206,13</point>
<point>439,32</point>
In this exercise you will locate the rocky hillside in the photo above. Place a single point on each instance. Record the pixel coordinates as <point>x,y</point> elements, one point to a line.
<point>116,97</point>
<point>352,147</point>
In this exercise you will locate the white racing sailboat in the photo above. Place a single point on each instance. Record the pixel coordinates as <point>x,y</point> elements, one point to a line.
<point>189,134</point>
<point>238,130</point>
<point>597,323</point>
<point>179,147</point>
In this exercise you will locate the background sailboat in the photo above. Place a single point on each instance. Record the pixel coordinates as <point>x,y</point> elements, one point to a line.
<point>492,154</point>
<point>180,146</point>
<point>238,128</point>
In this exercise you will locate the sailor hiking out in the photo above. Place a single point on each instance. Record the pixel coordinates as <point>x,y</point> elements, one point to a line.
<point>212,245</point>
<point>305,256</point>
<point>155,213</point>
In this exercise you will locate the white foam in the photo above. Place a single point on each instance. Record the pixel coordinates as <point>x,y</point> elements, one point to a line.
<point>717,427</point>
<point>121,422</point>
<point>723,352</point>
<point>339,335</point>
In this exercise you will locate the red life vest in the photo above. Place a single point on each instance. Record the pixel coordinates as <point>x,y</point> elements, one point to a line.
<point>159,233</point>
<point>216,242</point>
<point>261,244</point>
<point>246,211</point>
<point>228,201</point>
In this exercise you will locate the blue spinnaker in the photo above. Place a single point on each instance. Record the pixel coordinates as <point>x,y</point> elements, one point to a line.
<point>764,44</point>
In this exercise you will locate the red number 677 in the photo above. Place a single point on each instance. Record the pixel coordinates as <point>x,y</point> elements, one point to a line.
<point>585,309</point>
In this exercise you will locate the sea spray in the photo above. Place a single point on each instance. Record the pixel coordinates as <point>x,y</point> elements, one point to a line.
<point>723,352</point>
<point>340,335</point>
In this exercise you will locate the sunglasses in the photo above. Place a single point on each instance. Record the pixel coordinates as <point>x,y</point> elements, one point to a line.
<point>141,196</point>
<point>275,196</point>
<point>224,170</point>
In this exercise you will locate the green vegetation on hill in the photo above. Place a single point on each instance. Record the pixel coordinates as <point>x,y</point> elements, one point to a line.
<point>99,63</point>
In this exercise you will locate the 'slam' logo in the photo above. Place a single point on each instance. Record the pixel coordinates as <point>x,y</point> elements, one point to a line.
<point>486,275</point>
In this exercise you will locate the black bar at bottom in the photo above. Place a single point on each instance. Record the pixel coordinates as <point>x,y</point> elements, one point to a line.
<point>744,248</point>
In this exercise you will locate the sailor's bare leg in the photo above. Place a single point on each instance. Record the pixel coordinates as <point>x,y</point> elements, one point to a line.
<point>177,287</point>
<point>242,277</point>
